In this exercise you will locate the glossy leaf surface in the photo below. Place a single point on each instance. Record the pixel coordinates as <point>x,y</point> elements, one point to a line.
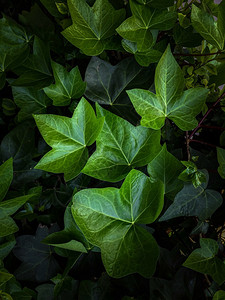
<point>68,138</point>
<point>120,147</point>
<point>110,218</point>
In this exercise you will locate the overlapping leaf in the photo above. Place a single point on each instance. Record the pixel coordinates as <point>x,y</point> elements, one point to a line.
<point>120,147</point>
<point>204,260</point>
<point>68,85</point>
<point>6,177</point>
<point>92,26</point>
<point>166,168</point>
<point>191,201</point>
<point>110,218</point>
<point>138,28</point>
<point>169,101</point>
<point>211,30</point>
<point>30,101</point>
<point>69,138</point>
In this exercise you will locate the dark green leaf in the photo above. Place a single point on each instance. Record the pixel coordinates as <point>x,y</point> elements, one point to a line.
<point>191,201</point>
<point>30,102</point>
<point>221,161</point>
<point>120,147</point>
<point>6,177</point>
<point>110,218</point>
<point>68,85</point>
<point>204,260</point>
<point>92,26</point>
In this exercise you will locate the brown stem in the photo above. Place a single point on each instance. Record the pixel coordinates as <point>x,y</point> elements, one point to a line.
<point>202,142</point>
<point>213,127</point>
<point>196,54</point>
<point>188,146</point>
<point>206,115</point>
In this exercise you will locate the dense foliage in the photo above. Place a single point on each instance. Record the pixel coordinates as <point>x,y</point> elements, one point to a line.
<point>112,154</point>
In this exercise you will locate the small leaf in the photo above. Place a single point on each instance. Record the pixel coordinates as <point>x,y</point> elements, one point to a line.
<point>191,201</point>
<point>204,260</point>
<point>6,177</point>
<point>68,138</point>
<point>92,26</point>
<point>221,161</point>
<point>68,85</point>
<point>219,295</point>
<point>120,147</point>
<point>110,218</point>
<point>204,23</point>
<point>7,225</point>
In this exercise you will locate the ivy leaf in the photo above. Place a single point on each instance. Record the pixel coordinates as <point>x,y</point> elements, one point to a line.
<point>68,85</point>
<point>204,260</point>
<point>219,295</point>
<point>71,238</point>
<point>36,71</point>
<point>169,101</point>
<point>110,218</point>
<point>30,101</point>
<point>221,161</point>
<point>166,168</point>
<point>7,225</point>
<point>138,28</point>
<point>92,26</point>
<point>68,138</point>
<point>38,263</point>
<point>191,201</point>
<point>6,177</point>
<point>120,147</point>
<point>205,24</point>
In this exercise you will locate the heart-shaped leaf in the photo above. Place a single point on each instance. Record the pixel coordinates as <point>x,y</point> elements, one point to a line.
<point>110,218</point>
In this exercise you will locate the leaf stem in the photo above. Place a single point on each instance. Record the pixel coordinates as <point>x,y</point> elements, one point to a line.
<point>206,115</point>
<point>213,127</point>
<point>202,142</point>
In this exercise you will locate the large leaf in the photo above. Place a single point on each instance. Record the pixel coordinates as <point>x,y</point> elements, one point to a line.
<point>191,201</point>
<point>36,71</point>
<point>169,101</point>
<point>68,85</point>
<point>166,168</point>
<point>30,101</point>
<point>38,263</point>
<point>6,177</point>
<point>92,26</point>
<point>110,218</point>
<point>205,24</point>
<point>138,28</point>
<point>204,260</point>
<point>120,147</point>
<point>69,138</point>
<point>156,3</point>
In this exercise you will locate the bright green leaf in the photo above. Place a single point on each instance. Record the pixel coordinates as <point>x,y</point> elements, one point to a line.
<point>205,24</point>
<point>12,205</point>
<point>92,26</point>
<point>6,177</point>
<point>219,295</point>
<point>68,85</point>
<point>120,147</point>
<point>204,260</point>
<point>166,168</point>
<point>138,28</point>
<point>169,101</point>
<point>30,101</point>
<point>110,218</point>
<point>191,201</point>
<point>68,138</point>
